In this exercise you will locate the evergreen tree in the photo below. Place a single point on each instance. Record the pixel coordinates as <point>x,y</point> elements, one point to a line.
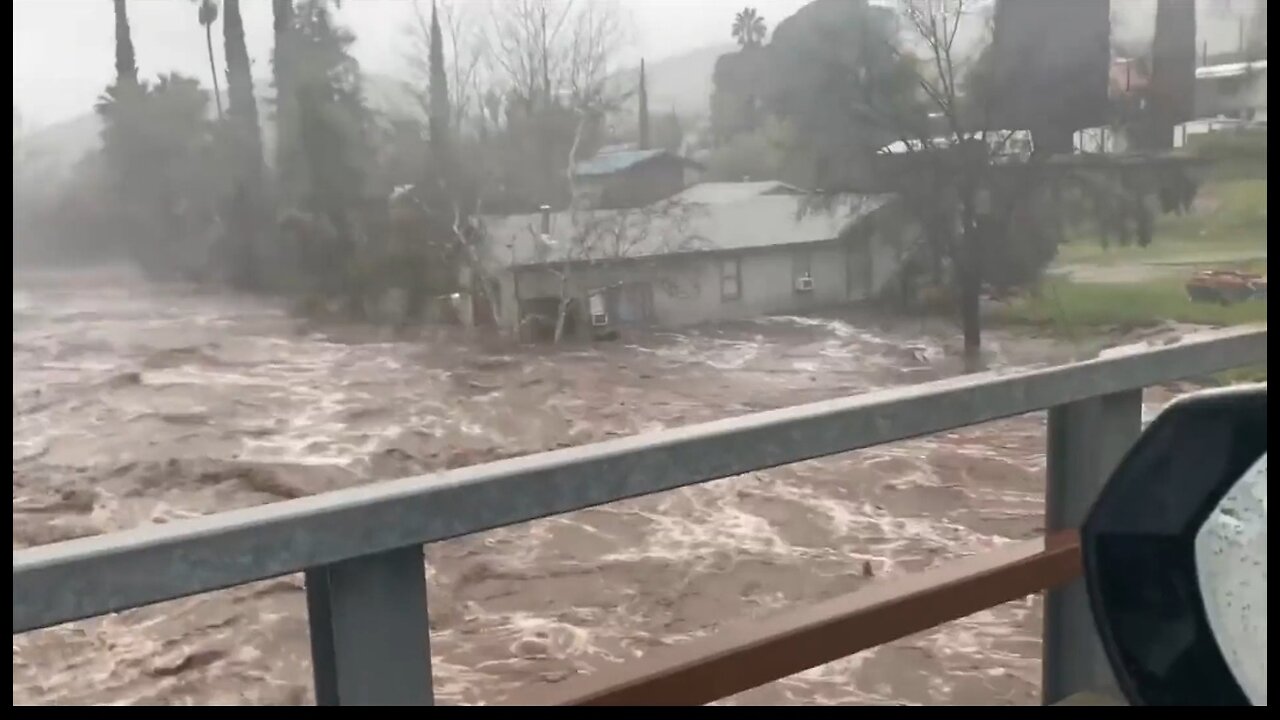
<point>332,143</point>
<point>243,107</point>
<point>282,16</point>
<point>644,110</point>
<point>438,122</point>
<point>245,212</point>
<point>126,64</point>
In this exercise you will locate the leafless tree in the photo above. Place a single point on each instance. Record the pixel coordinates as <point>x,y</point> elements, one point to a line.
<point>554,58</point>
<point>940,107</point>
<point>543,51</point>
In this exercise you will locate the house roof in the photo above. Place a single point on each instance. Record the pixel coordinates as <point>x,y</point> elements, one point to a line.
<point>715,193</point>
<point>1227,70</point>
<point>677,225</point>
<point>615,161</point>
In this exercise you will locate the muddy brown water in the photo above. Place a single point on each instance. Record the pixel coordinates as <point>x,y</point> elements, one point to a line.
<point>140,404</point>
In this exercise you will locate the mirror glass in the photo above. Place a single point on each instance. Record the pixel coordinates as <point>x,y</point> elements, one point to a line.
<point>1231,567</point>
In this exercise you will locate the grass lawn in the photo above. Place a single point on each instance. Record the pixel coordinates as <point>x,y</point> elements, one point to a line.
<point>1101,306</point>
<point>1145,287</point>
<point>1226,230</point>
<point>1229,231</point>
<point>1231,227</point>
<point>1075,310</point>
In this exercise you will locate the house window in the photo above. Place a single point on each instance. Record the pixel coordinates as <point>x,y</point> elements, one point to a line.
<point>730,279</point>
<point>802,271</point>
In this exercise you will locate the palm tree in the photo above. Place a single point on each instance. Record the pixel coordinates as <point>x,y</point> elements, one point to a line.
<point>208,14</point>
<point>749,28</point>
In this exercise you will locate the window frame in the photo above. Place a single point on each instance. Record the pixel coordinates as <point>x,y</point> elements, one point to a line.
<point>726,264</point>
<point>801,265</point>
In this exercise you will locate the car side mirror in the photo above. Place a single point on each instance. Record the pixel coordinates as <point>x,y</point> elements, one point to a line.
<point>1175,555</point>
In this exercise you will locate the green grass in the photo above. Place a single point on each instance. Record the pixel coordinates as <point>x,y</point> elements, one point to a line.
<point>1230,233</point>
<point>1235,155</point>
<point>1232,227</point>
<point>1227,231</point>
<point>1080,308</point>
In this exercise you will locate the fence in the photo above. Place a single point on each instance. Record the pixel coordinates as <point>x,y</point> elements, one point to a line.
<point>361,548</point>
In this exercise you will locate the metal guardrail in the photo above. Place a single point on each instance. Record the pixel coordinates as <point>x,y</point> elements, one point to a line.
<point>361,548</point>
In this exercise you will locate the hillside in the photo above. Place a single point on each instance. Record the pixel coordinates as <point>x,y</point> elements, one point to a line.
<point>681,82</point>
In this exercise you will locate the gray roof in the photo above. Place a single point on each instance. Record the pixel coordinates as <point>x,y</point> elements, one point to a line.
<point>608,163</point>
<point>672,226</point>
<point>715,193</point>
<point>611,162</point>
<point>1228,70</point>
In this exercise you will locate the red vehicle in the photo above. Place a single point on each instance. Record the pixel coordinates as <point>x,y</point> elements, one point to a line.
<point>1226,287</point>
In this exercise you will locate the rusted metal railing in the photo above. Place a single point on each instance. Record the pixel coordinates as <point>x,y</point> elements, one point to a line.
<point>361,548</point>
<point>751,654</point>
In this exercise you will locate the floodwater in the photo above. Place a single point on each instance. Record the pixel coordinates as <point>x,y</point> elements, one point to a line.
<point>138,404</point>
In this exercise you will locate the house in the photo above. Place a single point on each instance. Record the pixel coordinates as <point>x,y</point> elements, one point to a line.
<point>714,252</point>
<point>1234,90</point>
<point>627,178</point>
<point>1227,96</point>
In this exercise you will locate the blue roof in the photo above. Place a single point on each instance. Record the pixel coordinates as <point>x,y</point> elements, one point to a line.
<point>609,163</point>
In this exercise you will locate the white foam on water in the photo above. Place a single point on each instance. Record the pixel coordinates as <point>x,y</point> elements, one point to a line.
<point>232,381</point>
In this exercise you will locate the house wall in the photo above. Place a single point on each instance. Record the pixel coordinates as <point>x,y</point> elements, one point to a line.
<point>1243,97</point>
<point>689,290</point>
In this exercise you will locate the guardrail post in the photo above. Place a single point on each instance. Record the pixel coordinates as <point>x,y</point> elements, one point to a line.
<point>1086,440</point>
<point>370,637</point>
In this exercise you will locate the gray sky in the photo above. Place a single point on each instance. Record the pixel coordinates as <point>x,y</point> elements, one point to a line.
<point>63,50</point>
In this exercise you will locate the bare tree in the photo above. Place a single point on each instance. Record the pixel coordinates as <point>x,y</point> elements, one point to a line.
<point>946,144</point>
<point>527,49</point>
<point>552,59</point>
<point>553,50</point>
<point>970,182</point>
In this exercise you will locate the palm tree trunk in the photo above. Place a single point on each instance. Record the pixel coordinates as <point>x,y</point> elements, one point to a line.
<point>213,68</point>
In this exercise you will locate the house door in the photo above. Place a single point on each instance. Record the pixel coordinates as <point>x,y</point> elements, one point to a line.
<point>632,303</point>
<point>860,271</point>
<point>481,310</point>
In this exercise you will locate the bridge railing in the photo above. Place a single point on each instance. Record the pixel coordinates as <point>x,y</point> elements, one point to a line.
<point>361,548</point>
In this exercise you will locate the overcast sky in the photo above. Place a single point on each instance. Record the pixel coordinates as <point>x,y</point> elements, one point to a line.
<point>63,50</point>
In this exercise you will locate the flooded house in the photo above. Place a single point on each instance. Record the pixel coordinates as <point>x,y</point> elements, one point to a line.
<point>712,252</point>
